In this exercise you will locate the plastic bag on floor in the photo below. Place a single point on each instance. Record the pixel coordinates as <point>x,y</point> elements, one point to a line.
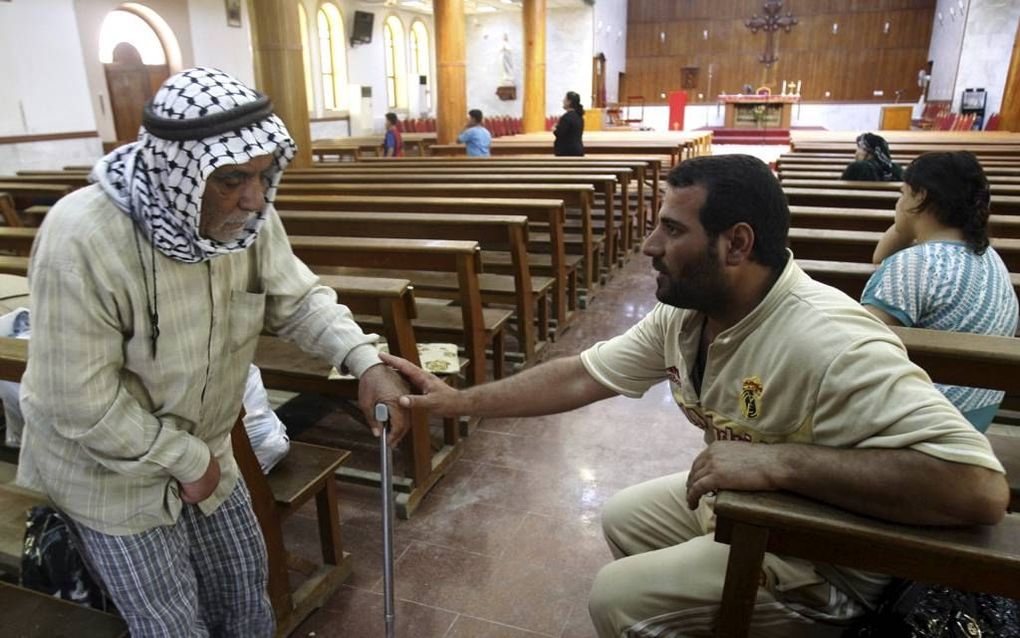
<point>13,324</point>
<point>265,430</point>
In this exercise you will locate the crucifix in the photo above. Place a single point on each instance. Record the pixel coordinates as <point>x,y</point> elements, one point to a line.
<point>770,23</point>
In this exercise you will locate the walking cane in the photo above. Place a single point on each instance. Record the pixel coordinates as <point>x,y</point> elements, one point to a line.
<point>382,416</point>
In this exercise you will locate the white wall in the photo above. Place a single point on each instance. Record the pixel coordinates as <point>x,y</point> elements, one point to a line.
<point>220,46</point>
<point>569,50</point>
<point>610,27</point>
<point>987,46</point>
<point>944,50</point>
<point>43,94</point>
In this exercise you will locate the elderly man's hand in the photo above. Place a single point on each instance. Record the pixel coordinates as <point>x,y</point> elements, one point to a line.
<point>199,490</point>
<point>735,465</point>
<point>381,384</point>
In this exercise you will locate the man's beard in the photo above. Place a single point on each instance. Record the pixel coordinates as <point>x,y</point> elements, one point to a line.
<point>700,286</point>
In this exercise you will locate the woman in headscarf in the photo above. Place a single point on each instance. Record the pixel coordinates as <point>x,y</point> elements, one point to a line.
<point>872,162</point>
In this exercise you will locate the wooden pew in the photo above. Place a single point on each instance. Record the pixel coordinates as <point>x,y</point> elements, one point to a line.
<point>577,196</point>
<point>916,148</point>
<point>1004,167</point>
<point>858,245</point>
<point>607,187</point>
<point>26,194</point>
<point>880,220</point>
<point>549,211</point>
<point>995,187</point>
<point>980,558</point>
<point>504,232</point>
<point>390,304</point>
<point>8,211</point>
<point>840,198</point>
<point>32,614</point>
<point>74,180</point>
<point>646,170</point>
<point>462,257</point>
<point>826,174</point>
<point>652,164</point>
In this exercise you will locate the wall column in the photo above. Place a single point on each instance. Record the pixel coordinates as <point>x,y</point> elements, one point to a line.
<point>534,65</point>
<point>1010,108</point>
<point>279,69</point>
<point>451,98</point>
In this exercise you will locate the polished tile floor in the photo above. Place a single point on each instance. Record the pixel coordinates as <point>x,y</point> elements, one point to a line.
<point>507,545</point>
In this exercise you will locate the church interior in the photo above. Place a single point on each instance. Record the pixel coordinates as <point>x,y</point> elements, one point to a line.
<point>484,270</point>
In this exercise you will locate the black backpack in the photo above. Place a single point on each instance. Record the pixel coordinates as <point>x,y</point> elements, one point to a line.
<point>52,564</point>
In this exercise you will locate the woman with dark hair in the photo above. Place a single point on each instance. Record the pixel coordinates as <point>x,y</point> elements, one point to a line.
<point>570,128</point>
<point>937,269</point>
<point>872,162</point>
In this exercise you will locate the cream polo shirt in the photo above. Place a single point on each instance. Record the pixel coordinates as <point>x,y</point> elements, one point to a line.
<point>110,430</point>
<point>808,365</point>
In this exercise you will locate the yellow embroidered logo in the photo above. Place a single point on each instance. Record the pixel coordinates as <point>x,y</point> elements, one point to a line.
<point>750,397</point>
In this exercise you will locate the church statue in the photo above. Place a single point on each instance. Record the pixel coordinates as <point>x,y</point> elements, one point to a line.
<point>507,61</point>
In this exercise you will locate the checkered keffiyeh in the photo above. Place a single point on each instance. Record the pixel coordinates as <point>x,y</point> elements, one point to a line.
<point>160,182</point>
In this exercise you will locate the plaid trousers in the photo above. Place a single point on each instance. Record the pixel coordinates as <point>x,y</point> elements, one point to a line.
<point>202,576</point>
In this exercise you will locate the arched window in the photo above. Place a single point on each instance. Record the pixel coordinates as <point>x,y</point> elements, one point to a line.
<point>396,63</point>
<point>306,54</point>
<point>124,26</point>
<point>332,57</point>
<point>421,64</point>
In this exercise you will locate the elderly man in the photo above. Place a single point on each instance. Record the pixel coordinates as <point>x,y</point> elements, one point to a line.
<point>796,387</point>
<point>149,291</point>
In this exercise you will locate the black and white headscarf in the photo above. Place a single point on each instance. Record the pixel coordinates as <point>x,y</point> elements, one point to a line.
<point>878,148</point>
<point>159,181</point>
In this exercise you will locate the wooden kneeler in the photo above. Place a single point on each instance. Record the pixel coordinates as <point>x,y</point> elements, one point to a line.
<point>306,472</point>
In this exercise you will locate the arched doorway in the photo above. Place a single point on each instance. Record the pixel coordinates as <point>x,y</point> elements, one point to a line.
<point>135,62</point>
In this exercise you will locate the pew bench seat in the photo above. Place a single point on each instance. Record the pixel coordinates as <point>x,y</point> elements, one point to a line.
<point>14,504</point>
<point>32,614</point>
<point>979,558</point>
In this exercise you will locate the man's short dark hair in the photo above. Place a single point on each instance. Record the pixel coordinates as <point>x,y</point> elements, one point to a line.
<point>391,118</point>
<point>739,188</point>
<point>476,115</point>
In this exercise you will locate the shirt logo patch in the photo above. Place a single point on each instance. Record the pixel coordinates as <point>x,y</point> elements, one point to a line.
<point>750,397</point>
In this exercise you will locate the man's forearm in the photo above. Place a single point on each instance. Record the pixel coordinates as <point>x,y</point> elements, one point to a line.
<point>905,486</point>
<point>557,386</point>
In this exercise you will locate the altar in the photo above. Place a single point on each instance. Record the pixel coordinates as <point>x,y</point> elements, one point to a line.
<point>759,111</point>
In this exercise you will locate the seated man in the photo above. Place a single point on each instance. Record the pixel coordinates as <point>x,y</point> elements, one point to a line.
<point>871,162</point>
<point>149,291</point>
<point>796,386</point>
<point>475,137</point>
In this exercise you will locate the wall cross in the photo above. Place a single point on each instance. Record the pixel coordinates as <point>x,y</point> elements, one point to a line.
<point>770,23</point>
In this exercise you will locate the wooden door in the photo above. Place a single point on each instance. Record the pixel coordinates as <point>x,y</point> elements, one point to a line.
<point>598,81</point>
<point>130,83</point>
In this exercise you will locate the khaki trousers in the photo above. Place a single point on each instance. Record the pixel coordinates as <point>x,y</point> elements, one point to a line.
<point>669,574</point>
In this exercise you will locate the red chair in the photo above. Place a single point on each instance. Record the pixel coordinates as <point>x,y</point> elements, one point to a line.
<point>993,122</point>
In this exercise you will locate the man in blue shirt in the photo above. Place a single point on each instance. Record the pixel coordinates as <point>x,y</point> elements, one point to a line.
<point>475,136</point>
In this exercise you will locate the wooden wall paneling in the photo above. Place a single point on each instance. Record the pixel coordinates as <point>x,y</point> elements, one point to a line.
<point>1010,109</point>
